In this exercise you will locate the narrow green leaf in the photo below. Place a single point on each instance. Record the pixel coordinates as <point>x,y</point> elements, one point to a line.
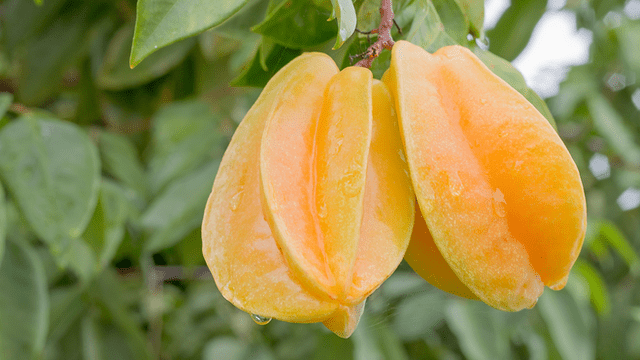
<point>598,291</point>
<point>629,38</point>
<point>120,159</point>
<point>612,127</point>
<point>3,222</point>
<point>513,31</point>
<point>5,102</point>
<point>163,22</point>
<point>185,136</point>
<point>419,314</point>
<point>345,13</point>
<point>66,308</point>
<point>79,258</point>
<point>480,332</point>
<point>106,229</point>
<point>52,170</point>
<point>179,209</point>
<point>91,339</point>
<point>567,328</point>
<point>616,239</point>
<point>297,24</point>
<point>513,77</point>
<point>116,74</point>
<point>24,304</point>
<point>255,75</point>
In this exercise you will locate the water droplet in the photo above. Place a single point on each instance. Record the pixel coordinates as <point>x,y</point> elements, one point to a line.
<point>260,320</point>
<point>483,43</point>
<point>235,200</point>
<point>499,203</point>
<point>323,211</point>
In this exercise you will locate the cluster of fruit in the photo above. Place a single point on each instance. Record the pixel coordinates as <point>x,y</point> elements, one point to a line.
<point>333,177</point>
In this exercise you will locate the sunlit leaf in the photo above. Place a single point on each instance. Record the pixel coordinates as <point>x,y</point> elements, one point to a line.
<point>345,13</point>
<point>427,30</point>
<point>24,304</point>
<point>160,23</point>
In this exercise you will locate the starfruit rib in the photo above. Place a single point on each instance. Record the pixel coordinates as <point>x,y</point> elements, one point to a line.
<point>314,195</point>
<point>238,244</point>
<point>388,201</point>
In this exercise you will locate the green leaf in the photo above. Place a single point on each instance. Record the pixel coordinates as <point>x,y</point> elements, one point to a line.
<point>91,339</point>
<point>115,73</point>
<point>474,12</point>
<point>225,347</point>
<point>403,284</point>
<point>418,315</point>
<point>480,332</point>
<point>5,102</point>
<point>26,20</point>
<point>629,38</point>
<point>616,239</point>
<point>427,30</point>
<point>24,304</point>
<point>345,13</point>
<point>567,328</point>
<point>179,209</point>
<point>332,347</point>
<point>52,170</point>
<point>120,159</point>
<point>3,222</point>
<point>60,45</point>
<point>66,308</point>
<point>599,294</point>
<point>374,339</point>
<point>513,31</point>
<point>79,258</point>
<point>610,124</point>
<point>297,24</point>
<point>160,23</point>
<point>106,229</point>
<point>453,18</point>
<point>254,73</point>
<point>514,78</point>
<point>185,136</point>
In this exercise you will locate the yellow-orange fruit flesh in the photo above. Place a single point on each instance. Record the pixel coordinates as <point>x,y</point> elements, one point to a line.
<point>497,187</point>
<point>238,245</point>
<point>425,258</point>
<point>388,201</point>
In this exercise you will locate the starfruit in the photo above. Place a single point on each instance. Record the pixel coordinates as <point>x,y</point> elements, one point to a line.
<point>501,206</point>
<point>312,207</point>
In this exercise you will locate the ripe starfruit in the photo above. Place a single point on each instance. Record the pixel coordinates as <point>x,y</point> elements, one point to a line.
<point>312,207</point>
<point>501,206</point>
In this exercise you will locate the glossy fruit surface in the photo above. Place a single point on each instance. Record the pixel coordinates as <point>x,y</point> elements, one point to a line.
<point>312,207</point>
<point>498,190</point>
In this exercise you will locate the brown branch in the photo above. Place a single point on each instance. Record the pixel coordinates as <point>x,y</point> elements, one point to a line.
<point>385,41</point>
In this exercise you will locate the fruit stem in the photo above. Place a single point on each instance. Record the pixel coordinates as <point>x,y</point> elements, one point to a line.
<point>385,41</point>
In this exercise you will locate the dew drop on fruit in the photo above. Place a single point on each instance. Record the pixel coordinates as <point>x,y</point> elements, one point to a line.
<point>260,320</point>
<point>235,200</point>
<point>499,203</point>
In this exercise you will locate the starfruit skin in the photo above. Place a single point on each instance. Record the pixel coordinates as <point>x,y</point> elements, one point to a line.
<point>501,206</point>
<point>312,207</point>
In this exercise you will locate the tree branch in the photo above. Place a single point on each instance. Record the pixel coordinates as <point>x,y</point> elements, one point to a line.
<point>385,41</point>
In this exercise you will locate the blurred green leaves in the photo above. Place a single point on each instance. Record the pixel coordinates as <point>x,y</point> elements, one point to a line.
<point>513,31</point>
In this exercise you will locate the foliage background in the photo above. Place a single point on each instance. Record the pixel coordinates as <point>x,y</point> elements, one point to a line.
<point>105,170</point>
